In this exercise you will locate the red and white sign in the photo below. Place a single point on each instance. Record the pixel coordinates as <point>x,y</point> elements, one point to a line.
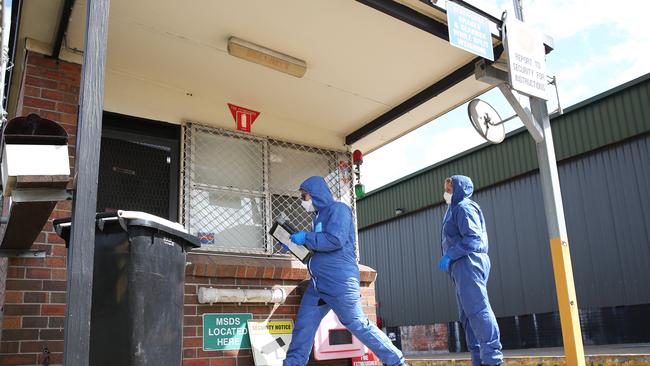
<point>368,359</point>
<point>243,116</point>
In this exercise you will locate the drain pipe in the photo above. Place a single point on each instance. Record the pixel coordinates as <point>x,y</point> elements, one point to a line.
<point>5,25</point>
<point>209,295</point>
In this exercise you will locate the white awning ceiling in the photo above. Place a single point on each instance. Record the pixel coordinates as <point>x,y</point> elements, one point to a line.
<point>167,60</point>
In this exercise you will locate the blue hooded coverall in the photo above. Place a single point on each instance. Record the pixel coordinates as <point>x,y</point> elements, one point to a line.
<point>334,281</point>
<point>465,241</point>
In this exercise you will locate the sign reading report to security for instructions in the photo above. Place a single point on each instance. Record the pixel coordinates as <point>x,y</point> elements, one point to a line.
<point>469,31</point>
<point>270,341</point>
<point>225,331</point>
<point>526,59</point>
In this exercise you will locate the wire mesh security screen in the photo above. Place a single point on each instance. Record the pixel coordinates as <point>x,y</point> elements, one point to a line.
<point>237,185</point>
<point>134,176</point>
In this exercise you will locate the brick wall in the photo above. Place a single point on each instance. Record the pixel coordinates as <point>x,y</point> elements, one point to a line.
<point>4,263</point>
<point>234,272</point>
<point>34,307</point>
<point>424,339</point>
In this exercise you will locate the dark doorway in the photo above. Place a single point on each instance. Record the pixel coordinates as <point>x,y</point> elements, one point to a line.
<point>139,166</point>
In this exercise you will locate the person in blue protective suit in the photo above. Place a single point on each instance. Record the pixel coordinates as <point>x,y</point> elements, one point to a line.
<point>334,280</point>
<point>465,258</point>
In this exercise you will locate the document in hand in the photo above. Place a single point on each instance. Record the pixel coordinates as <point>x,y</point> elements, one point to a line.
<point>282,233</point>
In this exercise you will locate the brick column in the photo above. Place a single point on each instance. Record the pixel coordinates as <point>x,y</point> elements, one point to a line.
<point>34,306</point>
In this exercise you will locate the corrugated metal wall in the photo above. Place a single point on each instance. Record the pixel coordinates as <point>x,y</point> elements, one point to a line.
<point>607,202</point>
<point>611,117</point>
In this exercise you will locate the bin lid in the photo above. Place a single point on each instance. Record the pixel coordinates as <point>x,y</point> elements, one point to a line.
<point>34,130</point>
<point>131,218</point>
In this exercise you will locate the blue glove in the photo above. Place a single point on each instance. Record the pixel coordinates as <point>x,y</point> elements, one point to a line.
<point>284,247</point>
<point>444,262</point>
<point>299,237</point>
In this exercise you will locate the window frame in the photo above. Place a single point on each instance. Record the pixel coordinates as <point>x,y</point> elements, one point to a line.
<point>188,156</point>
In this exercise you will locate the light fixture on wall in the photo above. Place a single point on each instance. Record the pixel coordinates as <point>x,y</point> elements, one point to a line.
<point>266,57</point>
<point>399,211</point>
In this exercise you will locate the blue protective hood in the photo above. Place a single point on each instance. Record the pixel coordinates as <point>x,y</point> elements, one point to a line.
<point>319,192</point>
<point>462,188</point>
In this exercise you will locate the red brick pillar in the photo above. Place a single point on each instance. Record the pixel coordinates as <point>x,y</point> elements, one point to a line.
<point>34,306</point>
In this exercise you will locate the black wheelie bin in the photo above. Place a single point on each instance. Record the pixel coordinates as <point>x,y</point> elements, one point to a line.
<point>138,289</point>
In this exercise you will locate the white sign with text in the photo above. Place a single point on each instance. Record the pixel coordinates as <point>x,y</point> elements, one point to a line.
<point>526,59</point>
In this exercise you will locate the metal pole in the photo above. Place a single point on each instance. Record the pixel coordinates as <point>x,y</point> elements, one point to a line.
<point>562,268</point>
<point>82,238</point>
<point>556,225</point>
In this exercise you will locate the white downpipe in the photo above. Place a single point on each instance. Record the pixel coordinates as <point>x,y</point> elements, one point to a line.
<point>209,295</point>
<point>5,24</point>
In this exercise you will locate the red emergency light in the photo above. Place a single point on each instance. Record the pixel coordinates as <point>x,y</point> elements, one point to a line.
<point>357,157</point>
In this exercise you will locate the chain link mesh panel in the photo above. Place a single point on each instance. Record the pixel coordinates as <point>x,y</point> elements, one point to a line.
<point>236,186</point>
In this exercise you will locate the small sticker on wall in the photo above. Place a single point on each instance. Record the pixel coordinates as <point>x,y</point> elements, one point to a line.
<point>244,117</point>
<point>205,238</point>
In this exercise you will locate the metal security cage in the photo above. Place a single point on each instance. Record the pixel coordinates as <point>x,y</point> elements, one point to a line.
<point>236,185</point>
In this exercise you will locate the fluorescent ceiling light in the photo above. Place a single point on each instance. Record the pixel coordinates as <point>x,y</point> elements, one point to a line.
<point>266,57</point>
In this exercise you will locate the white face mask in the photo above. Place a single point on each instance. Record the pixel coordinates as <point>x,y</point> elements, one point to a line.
<point>308,206</point>
<point>447,196</point>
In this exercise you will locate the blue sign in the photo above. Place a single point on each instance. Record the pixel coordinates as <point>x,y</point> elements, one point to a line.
<point>469,31</point>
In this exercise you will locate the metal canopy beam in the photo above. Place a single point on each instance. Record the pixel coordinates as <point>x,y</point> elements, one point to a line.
<point>418,99</point>
<point>62,28</point>
<point>82,238</point>
<point>410,16</point>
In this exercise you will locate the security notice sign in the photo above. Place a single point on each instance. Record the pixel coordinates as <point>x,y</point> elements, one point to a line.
<point>469,31</point>
<point>526,59</point>
<point>225,331</point>
<point>270,340</point>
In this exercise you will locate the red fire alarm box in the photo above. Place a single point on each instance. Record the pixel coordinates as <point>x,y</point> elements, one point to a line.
<point>333,341</point>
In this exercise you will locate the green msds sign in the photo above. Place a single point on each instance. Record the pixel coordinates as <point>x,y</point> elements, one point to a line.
<point>225,331</point>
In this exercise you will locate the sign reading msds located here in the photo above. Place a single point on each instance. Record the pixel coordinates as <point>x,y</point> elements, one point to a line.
<point>270,340</point>
<point>225,331</point>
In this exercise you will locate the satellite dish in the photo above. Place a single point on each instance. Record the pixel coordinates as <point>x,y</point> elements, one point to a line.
<point>486,121</point>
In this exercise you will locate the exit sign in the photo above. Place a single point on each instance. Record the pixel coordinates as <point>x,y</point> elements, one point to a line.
<point>225,331</point>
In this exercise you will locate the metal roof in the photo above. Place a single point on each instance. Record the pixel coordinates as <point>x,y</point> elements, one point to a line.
<point>605,119</point>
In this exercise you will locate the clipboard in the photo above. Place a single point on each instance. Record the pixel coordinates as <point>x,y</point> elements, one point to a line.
<point>282,233</point>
